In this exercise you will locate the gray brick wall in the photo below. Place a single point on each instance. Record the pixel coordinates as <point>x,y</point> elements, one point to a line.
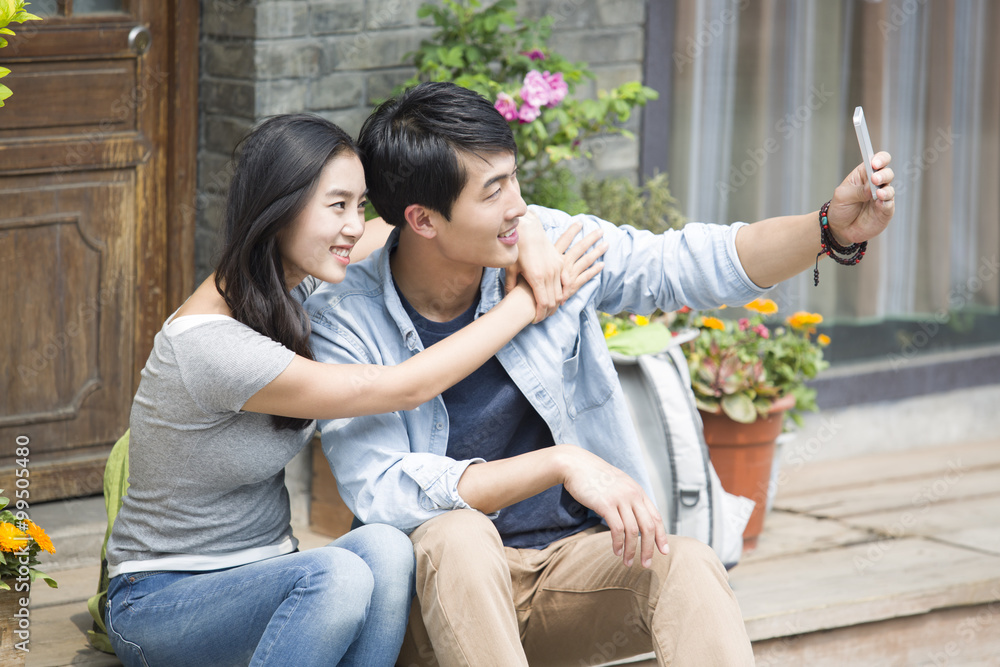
<point>337,58</point>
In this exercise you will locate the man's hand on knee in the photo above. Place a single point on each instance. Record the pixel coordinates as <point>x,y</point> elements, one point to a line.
<point>619,500</point>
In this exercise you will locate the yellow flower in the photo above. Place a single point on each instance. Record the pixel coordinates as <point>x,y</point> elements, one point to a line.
<point>803,319</point>
<point>713,323</point>
<point>641,320</point>
<point>39,536</point>
<point>610,329</point>
<point>762,306</point>
<point>723,307</point>
<point>823,340</point>
<point>11,539</point>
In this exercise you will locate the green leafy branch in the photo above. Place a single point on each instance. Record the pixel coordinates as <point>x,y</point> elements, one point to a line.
<point>11,11</point>
<point>491,51</point>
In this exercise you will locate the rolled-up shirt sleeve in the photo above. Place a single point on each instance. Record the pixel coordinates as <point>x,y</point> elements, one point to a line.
<point>697,266</point>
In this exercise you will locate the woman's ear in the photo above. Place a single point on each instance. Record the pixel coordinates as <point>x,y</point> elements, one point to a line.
<point>422,220</point>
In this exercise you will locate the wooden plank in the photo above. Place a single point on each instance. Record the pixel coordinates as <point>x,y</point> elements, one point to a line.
<point>860,584</point>
<point>53,39</point>
<point>43,87</point>
<point>68,154</point>
<point>72,477</point>
<point>182,150</point>
<point>967,636</point>
<point>912,494</point>
<point>786,534</point>
<point>59,637</point>
<point>973,523</point>
<point>799,477</point>
<point>75,587</point>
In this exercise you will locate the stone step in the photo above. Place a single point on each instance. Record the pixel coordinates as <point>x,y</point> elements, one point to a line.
<point>76,528</point>
<point>889,559</point>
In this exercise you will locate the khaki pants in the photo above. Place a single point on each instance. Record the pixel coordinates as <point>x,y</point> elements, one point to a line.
<point>573,603</point>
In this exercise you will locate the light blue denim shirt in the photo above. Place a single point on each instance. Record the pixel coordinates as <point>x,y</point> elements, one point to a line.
<point>392,468</point>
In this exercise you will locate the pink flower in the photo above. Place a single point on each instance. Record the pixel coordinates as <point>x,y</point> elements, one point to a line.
<point>536,90</point>
<point>762,331</point>
<point>507,107</point>
<point>534,54</point>
<point>744,324</point>
<point>528,113</point>
<point>557,87</point>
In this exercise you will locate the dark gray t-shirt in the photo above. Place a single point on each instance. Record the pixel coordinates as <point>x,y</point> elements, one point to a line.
<point>205,479</point>
<point>490,418</point>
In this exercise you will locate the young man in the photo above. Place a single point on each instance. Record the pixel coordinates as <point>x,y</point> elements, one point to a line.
<point>523,487</point>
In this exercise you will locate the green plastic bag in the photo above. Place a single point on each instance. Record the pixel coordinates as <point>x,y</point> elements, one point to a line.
<point>650,339</point>
<point>115,487</point>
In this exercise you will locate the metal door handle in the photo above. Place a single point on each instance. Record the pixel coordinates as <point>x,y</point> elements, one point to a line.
<point>139,40</point>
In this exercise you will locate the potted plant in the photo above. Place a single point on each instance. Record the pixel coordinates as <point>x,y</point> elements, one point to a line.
<point>748,375</point>
<point>749,378</point>
<point>20,542</point>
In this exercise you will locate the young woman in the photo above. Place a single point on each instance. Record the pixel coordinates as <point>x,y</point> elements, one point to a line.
<point>204,567</point>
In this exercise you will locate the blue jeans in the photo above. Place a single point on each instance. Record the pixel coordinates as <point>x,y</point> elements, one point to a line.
<point>343,604</point>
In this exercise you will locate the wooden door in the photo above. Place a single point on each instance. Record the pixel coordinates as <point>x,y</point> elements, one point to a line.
<point>97,177</point>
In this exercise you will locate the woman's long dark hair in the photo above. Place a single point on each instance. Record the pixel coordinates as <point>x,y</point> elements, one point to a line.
<point>277,167</point>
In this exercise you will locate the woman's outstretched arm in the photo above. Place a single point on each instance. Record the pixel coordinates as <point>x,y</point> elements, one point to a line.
<point>315,390</point>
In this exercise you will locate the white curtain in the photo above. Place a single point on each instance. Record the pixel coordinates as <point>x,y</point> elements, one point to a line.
<point>764,95</point>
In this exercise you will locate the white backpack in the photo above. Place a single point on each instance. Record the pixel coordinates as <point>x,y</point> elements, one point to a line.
<point>687,490</point>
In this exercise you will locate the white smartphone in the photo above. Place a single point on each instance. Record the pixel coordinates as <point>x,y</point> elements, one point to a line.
<point>861,128</point>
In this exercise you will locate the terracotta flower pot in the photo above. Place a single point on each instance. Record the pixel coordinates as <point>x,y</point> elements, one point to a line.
<point>742,455</point>
<point>10,605</point>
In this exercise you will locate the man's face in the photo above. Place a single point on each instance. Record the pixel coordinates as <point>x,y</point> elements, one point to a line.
<point>482,229</point>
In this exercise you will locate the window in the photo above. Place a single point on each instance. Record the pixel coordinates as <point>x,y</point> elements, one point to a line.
<point>762,99</point>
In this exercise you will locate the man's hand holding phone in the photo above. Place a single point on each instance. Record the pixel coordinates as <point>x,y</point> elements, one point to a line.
<point>863,204</point>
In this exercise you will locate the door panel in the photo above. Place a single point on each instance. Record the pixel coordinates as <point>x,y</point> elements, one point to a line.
<point>86,233</point>
<point>42,87</point>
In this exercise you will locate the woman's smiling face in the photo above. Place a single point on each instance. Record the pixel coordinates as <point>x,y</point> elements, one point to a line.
<point>318,243</point>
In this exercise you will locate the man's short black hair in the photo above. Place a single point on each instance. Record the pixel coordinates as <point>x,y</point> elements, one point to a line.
<point>410,147</point>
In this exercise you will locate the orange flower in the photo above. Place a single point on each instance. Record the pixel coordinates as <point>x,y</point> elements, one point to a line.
<point>11,539</point>
<point>713,323</point>
<point>823,340</point>
<point>762,306</point>
<point>804,319</point>
<point>40,537</point>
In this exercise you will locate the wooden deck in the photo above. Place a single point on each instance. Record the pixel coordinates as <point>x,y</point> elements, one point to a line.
<point>885,560</point>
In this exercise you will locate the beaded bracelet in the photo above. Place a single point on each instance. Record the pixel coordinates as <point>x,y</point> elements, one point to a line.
<point>844,255</point>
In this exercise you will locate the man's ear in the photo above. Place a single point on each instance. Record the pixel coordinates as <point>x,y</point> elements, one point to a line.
<point>422,220</point>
